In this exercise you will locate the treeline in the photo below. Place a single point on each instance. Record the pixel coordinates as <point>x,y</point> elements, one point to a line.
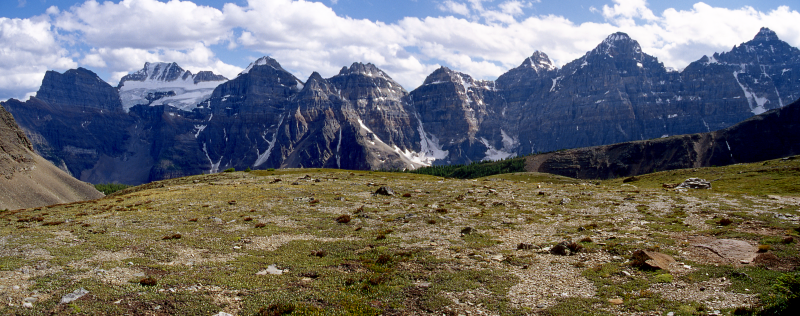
<point>108,188</point>
<point>475,169</point>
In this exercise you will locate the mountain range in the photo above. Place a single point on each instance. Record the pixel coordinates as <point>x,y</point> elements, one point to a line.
<point>163,122</point>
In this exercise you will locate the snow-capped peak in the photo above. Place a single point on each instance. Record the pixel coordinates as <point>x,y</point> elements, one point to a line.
<point>167,83</point>
<point>617,43</point>
<point>616,37</point>
<point>539,61</point>
<point>266,60</point>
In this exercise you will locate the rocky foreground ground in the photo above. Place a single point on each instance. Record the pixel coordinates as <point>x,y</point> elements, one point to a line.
<point>314,241</point>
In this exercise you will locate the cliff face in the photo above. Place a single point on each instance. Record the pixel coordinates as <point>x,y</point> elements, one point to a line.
<point>78,89</point>
<point>771,135</point>
<point>267,118</point>
<point>89,135</point>
<point>27,179</point>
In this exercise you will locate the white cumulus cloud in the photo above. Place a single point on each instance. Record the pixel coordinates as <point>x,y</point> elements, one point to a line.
<point>483,38</point>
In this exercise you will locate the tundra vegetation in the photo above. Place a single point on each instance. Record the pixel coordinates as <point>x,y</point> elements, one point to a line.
<point>320,241</point>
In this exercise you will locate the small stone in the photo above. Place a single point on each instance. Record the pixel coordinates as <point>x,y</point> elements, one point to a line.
<point>565,201</point>
<point>30,299</point>
<point>497,257</point>
<point>616,301</point>
<point>222,314</point>
<point>695,183</point>
<point>271,269</point>
<point>15,287</point>
<point>652,260</point>
<point>524,246</point>
<point>237,247</point>
<point>671,314</point>
<point>468,230</point>
<point>27,305</point>
<point>385,191</point>
<point>73,296</point>
<point>560,250</point>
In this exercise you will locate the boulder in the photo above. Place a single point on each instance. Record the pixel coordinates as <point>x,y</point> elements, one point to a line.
<point>385,191</point>
<point>695,183</point>
<point>732,250</point>
<point>652,260</point>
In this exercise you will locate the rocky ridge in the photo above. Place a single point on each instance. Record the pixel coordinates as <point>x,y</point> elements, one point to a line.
<point>770,135</point>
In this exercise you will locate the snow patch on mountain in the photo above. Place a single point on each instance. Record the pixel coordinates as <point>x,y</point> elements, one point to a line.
<point>756,103</point>
<point>166,84</point>
<point>262,157</point>
<point>494,154</point>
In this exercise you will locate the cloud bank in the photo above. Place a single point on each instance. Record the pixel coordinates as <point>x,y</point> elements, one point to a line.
<point>479,37</point>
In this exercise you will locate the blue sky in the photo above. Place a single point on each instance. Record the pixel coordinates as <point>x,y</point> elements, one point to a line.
<point>407,38</point>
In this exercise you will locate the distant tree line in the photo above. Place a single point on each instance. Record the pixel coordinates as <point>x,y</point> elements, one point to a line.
<point>108,188</point>
<point>474,170</point>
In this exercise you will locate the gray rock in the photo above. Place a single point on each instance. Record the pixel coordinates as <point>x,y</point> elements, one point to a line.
<point>695,183</point>
<point>652,260</point>
<point>66,299</point>
<point>732,250</point>
<point>385,191</point>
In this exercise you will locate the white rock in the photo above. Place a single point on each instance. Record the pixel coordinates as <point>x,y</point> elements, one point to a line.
<point>271,269</point>
<point>27,305</point>
<point>74,295</point>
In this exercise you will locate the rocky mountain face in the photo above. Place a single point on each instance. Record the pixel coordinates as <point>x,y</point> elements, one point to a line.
<point>773,134</point>
<point>165,122</point>
<point>94,139</point>
<point>267,118</point>
<point>28,180</point>
<point>79,89</point>
<point>167,84</point>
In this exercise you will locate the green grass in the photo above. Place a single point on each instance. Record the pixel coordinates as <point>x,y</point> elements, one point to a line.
<point>420,266</point>
<point>770,177</point>
<point>108,188</point>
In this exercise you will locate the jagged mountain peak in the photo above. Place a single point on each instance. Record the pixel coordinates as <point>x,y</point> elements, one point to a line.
<point>765,35</point>
<point>315,81</point>
<point>444,74</point>
<point>367,69</point>
<point>764,48</point>
<point>168,72</point>
<point>266,60</point>
<point>78,88</point>
<point>539,61</point>
<point>617,44</point>
<point>160,83</point>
